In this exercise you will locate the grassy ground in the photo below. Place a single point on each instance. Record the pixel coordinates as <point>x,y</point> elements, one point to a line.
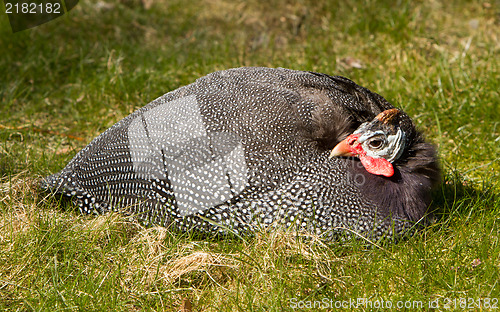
<point>81,73</point>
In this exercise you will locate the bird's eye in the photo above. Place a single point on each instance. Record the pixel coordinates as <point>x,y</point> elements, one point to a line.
<point>377,143</point>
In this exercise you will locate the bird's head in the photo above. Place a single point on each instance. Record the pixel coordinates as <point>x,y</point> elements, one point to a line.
<point>380,142</point>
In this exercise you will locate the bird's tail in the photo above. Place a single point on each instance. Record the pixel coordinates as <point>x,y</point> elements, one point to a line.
<point>48,183</point>
<point>55,183</point>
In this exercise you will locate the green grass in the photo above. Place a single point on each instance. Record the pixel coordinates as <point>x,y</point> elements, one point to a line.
<point>82,72</point>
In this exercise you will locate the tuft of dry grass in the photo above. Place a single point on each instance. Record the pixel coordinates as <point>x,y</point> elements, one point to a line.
<point>153,262</point>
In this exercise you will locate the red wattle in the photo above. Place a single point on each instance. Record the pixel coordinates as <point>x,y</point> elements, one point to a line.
<point>379,166</point>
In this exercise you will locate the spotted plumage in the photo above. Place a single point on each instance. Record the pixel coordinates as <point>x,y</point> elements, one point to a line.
<point>251,147</point>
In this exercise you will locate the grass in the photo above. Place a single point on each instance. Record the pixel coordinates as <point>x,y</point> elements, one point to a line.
<point>82,72</point>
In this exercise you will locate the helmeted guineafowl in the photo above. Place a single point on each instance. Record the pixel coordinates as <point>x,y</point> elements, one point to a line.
<point>250,147</point>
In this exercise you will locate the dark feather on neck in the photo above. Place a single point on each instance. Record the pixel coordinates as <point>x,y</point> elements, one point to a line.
<point>330,128</point>
<point>406,194</point>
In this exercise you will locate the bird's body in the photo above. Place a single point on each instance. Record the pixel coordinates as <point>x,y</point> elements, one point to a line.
<point>249,147</point>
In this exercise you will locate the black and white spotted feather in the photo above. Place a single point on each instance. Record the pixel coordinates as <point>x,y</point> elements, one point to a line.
<point>248,147</point>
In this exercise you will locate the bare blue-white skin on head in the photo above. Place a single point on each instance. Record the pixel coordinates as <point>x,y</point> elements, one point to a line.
<point>391,145</point>
<point>249,147</point>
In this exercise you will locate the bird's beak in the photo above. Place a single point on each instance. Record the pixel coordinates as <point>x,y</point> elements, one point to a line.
<point>344,148</point>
